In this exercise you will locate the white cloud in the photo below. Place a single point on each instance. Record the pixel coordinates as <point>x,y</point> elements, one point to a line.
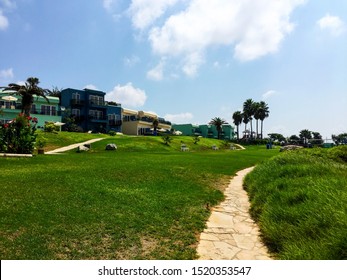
<point>332,24</point>
<point>108,4</point>
<point>3,21</point>
<point>156,73</point>
<point>91,86</point>
<point>145,12</point>
<point>9,4</point>
<point>131,61</point>
<point>252,28</point>
<point>6,75</point>
<point>179,118</point>
<point>269,94</point>
<point>127,95</point>
<point>192,63</point>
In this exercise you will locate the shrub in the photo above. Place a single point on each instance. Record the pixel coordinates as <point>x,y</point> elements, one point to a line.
<point>18,136</point>
<point>50,127</point>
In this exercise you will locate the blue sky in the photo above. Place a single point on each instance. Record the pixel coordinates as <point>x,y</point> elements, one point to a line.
<point>188,60</point>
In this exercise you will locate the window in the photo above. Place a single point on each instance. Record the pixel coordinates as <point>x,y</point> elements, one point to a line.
<point>48,110</point>
<point>95,114</point>
<point>76,96</point>
<point>96,100</point>
<point>76,112</point>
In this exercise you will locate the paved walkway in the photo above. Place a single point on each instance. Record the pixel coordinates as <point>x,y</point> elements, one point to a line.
<point>71,147</point>
<point>231,234</point>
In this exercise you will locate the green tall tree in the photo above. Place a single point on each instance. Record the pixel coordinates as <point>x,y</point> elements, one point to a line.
<point>245,120</point>
<point>305,135</point>
<point>155,126</point>
<point>237,117</point>
<point>257,113</point>
<point>218,123</point>
<point>263,113</point>
<point>27,92</point>
<point>249,110</point>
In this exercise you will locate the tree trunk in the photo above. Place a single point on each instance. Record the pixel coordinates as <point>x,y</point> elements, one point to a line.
<point>261,129</point>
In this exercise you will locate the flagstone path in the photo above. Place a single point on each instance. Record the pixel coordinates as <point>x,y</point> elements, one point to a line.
<point>231,234</point>
<point>70,147</point>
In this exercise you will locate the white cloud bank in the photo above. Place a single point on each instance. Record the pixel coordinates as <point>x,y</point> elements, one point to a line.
<point>251,28</point>
<point>6,75</point>
<point>333,24</point>
<point>181,118</point>
<point>127,95</point>
<point>3,21</point>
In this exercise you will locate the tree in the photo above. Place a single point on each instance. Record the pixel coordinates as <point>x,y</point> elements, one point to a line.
<point>55,92</point>
<point>317,138</point>
<point>249,110</point>
<point>237,117</point>
<point>155,126</point>
<point>218,123</point>
<point>245,120</point>
<point>305,135</point>
<point>257,115</point>
<point>27,92</point>
<point>340,139</point>
<point>294,139</point>
<point>263,113</point>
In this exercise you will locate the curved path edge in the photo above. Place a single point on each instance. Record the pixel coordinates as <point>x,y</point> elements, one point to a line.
<point>72,146</point>
<point>231,234</point>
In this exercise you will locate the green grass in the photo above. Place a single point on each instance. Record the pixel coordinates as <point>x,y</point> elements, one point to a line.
<point>144,201</point>
<point>61,139</point>
<point>300,202</point>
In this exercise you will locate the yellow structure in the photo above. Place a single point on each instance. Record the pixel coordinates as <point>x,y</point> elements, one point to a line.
<point>141,123</point>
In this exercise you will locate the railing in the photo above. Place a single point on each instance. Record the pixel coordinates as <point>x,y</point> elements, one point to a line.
<point>77,102</point>
<point>97,118</point>
<point>114,122</point>
<point>46,113</point>
<point>97,103</point>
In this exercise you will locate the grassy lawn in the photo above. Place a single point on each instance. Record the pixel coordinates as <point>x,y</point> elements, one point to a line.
<point>144,201</point>
<point>300,202</point>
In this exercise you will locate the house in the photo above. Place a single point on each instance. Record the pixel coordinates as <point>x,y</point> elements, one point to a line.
<point>45,111</point>
<point>207,131</point>
<point>89,110</point>
<point>141,123</point>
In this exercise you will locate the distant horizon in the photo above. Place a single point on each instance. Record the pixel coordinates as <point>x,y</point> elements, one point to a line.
<point>188,60</point>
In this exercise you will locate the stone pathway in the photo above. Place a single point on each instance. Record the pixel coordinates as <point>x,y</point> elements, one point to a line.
<point>231,234</point>
<point>70,147</point>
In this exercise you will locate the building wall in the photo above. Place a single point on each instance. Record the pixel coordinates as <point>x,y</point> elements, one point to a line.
<point>207,131</point>
<point>91,111</point>
<point>141,123</point>
<point>49,113</point>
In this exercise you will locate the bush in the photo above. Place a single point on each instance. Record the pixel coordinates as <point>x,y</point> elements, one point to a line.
<point>50,127</point>
<point>18,136</point>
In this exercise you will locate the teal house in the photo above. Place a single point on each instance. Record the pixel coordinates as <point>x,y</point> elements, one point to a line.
<point>207,131</point>
<point>10,107</point>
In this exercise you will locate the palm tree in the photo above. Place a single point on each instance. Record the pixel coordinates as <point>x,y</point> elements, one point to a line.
<point>218,123</point>
<point>27,92</point>
<point>245,120</point>
<point>305,135</point>
<point>257,113</point>
<point>263,111</point>
<point>249,109</point>
<point>155,126</point>
<point>237,117</point>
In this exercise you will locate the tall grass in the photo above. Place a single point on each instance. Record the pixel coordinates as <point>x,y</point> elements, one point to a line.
<point>300,202</point>
<point>144,201</point>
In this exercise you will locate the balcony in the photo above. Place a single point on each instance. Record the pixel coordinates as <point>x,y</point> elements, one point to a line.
<point>97,104</point>
<point>77,102</point>
<point>114,122</point>
<point>97,118</point>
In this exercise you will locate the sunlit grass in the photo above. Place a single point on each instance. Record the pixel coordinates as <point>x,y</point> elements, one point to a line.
<point>300,202</point>
<point>144,201</point>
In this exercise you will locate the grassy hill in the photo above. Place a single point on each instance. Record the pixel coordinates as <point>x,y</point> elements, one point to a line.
<point>299,199</point>
<point>144,201</point>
